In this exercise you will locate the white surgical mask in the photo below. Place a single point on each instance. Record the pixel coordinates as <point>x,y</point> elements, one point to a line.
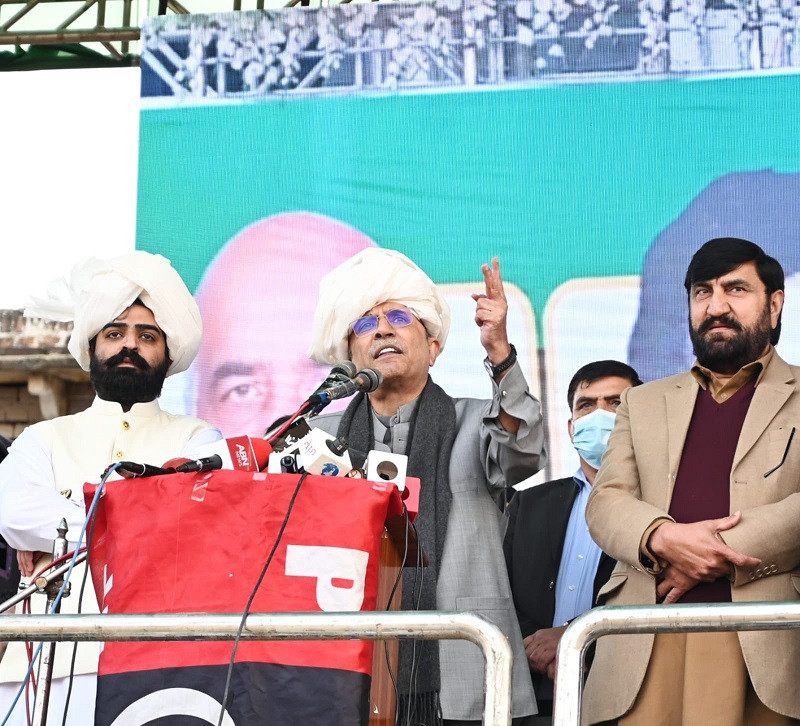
<point>590,435</point>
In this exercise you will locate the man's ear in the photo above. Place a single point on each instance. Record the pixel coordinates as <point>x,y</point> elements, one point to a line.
<point>775,307</point>
<point>434,348</point>
<point>571,429</point>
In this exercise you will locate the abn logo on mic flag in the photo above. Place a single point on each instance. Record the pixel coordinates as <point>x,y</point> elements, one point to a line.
<point>186,543</point>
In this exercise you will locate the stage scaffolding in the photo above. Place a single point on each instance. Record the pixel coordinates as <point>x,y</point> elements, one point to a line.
<point>112,26</point>
<point>521,40</point>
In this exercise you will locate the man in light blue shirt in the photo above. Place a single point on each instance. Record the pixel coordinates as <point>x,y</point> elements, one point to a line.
<point>554,566</point>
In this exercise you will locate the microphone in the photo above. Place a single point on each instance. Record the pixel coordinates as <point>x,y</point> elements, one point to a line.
<point>134,470</point>
<point>316,453</point>
<point>342,372</point>
<point>207,463</point>
<point>366,380</point>
<point>240,453</point>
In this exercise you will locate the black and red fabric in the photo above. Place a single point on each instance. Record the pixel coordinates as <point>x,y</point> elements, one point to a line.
<point>187,543</point>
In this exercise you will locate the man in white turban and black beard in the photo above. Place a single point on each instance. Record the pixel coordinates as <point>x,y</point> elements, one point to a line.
<point>135,323</point>
<point>381,311</point>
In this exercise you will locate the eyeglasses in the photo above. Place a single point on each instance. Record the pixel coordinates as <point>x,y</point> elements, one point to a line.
<point>397,318</point>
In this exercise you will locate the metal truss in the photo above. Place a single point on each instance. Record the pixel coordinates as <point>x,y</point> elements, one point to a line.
<point>449,42</point>
<point>112,27</point>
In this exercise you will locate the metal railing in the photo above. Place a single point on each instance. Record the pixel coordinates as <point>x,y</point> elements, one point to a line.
<point>425,625</point>
<point>587,628</point>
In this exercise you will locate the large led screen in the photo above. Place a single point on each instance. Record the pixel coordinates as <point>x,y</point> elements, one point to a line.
<point>590,146</point>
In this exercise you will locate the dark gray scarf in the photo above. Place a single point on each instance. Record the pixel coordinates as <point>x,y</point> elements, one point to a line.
<point>431,435</point>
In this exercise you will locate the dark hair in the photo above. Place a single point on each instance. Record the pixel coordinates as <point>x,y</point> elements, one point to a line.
<point>4,444</point>
<point>592,372</point>
<point>720,256</point>
<point>137,301</point>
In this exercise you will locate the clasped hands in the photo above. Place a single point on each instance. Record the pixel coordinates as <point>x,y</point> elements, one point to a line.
<point>541,648</point>
<point>695,553</point>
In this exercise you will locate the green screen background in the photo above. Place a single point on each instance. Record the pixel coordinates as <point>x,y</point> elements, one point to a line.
<point>561,181</point>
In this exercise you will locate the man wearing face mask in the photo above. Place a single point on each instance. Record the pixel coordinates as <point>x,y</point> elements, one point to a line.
<point>554,567</point>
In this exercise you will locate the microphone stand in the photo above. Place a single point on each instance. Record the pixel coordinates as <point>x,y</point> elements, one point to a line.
<point>51,584</point>
<point>39,584</point>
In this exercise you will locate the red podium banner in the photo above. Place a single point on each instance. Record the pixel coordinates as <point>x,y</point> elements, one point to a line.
<point>186,543</point>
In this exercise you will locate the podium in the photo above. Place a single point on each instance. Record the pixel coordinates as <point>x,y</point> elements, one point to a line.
<point>383,699</point>
<point>198,543</point>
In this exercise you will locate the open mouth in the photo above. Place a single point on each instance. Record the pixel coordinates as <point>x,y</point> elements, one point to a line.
<point>388,350</point>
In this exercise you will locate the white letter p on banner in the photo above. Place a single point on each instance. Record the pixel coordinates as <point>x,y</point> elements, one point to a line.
<point>327,564</point>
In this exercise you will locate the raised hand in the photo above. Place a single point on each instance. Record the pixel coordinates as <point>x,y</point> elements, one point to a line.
<point>490,314</point>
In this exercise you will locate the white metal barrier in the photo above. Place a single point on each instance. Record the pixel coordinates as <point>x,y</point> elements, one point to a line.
<point>426,625</point>
<point>586,628</point>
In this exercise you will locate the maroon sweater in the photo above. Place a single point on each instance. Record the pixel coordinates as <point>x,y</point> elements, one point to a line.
<point>702,487</point>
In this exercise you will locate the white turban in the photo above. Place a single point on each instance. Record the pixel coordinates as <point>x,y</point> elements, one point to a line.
<point>371,277</point>
<point>99,290</point>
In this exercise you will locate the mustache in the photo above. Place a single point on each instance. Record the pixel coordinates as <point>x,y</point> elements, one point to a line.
<point>127,355</point>
<point>705,326</point>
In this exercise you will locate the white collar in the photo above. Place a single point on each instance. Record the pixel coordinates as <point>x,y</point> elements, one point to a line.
<point>112,408</point>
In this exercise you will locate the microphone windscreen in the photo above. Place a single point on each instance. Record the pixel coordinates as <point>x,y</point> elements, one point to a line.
<point>371,377</point>
<point>344,368</point>
<point>262,450</point>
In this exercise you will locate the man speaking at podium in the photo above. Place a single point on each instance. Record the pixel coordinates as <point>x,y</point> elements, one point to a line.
<point>380,310</point>
<point>135,323</point>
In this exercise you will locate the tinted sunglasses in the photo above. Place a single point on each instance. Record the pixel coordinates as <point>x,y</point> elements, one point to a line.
<point>397,318</point>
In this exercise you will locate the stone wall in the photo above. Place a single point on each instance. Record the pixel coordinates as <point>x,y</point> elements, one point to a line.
<point>18,408</point>
<point>35,346</point>
<point>26,335</point>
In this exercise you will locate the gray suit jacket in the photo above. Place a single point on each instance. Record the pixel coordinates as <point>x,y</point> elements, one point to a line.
<point>634,487</point>
<point>484,461</point>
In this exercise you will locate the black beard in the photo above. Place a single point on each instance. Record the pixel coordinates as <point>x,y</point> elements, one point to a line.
<point>729,355</point>
<point>127,386</point>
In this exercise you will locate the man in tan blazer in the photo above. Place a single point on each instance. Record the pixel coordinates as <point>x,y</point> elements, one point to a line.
<point>698,498</point>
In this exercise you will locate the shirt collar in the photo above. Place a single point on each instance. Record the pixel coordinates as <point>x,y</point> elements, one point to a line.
<point>580,479</point>
<point>721,390</point>
<point>403,415</point>
<point>112,408</point>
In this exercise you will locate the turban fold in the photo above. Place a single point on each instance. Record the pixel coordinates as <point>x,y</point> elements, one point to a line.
<point>371,277</point>
<point>98,291</point>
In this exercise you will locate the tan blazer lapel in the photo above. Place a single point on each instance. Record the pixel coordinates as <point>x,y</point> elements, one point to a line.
<point>680,407</point>
<point>774,389</point>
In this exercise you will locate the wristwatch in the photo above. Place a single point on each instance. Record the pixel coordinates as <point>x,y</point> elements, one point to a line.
<point>495,370</point>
